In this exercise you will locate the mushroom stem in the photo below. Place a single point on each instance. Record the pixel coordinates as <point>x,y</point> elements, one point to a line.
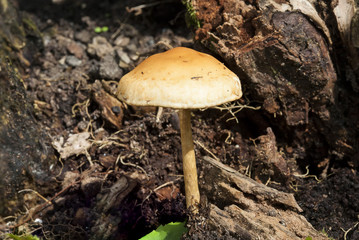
<point>189,160</point>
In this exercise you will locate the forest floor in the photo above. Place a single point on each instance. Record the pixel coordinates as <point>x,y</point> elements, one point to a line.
<point>67,80</point>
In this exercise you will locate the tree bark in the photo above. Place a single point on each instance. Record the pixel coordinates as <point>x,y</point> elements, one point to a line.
<point>283,53</point>
<point>304,76</point>
<point>26,158</point>
<point>241,208</point>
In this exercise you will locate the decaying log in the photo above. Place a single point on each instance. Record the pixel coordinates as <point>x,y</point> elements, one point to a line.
<point>109,199</point>
<point>273,164</point>
<point>281,56</point>
<point>26,158</point>
<point>281,52</point>
<point>245,209</point>
<point>347,16</point>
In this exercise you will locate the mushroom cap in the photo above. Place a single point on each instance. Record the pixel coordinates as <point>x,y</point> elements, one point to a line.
<point>179,78</point>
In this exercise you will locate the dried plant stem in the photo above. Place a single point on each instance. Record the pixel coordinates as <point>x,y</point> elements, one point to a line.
<point>121,158</point>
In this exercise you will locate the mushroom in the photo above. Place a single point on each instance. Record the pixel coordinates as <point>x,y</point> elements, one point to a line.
<point>183,79</point>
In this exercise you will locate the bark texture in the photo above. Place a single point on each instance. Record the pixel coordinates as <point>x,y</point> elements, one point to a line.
<point>246,209</point>
<point>281,50</point>
<point>26,160</point>
<point>287,55</point>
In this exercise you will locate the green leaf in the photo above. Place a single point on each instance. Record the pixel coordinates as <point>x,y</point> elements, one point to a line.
<point>170,231</point>
<point>101,29</point>
<point>104,29</point>
<point>24,237</point>
<point>308,238</point>
<point>98,29</point>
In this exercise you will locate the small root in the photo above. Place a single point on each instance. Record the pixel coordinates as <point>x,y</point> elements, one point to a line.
<point>206,149</point>
<point>121,158</point>
<point>233,108</point>
<point>306,175</point>
<point>37,193</point>
<point>350,229</point>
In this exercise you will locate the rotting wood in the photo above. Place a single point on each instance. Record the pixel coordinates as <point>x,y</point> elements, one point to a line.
<point>246,209</point>
<point>26,157</point>
<point>282,52</point>
<point>112,110</point>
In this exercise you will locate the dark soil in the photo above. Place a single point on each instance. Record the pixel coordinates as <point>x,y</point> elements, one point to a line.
<point>60,82</point>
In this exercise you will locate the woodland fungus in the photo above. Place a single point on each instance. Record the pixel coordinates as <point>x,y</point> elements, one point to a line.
<point>183,79</point>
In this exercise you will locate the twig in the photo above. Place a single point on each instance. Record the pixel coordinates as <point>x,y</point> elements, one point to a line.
<point>248,170</point>
<point>37,193</point>
<point>159,114</point>
<point>167,45</point>
<point>88,157</point>
<point>347,231</point>
<point>294,186</point>
<point>106,142</point>
<point>158,188</point>
<point>206,149</point>
<point>62,168</point>
<point>130,164</point>
<point>43,206</point>
<point>138,9</point>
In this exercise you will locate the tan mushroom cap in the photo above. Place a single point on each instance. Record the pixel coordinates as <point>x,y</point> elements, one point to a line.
<point>179,78</point>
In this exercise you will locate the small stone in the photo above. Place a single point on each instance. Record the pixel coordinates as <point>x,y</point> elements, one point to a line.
<point>122,41</point>
<point>83,36</point>
<point>134,57</point>
<point>147,41</point>
<point>131,47</point>
<point>109,68</point>
<point>124,65</point>
<point>62,60</point>
<point>76,49</point>
<point>46,40</point>
<point>100,47</point>
<point>73,61</point>
<point>123,56</point>
<point>116,110</point>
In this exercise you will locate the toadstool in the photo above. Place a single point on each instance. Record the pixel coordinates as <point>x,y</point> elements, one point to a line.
<point>183,79</point>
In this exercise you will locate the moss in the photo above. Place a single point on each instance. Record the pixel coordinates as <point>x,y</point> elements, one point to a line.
<point>191,15</point>
<point>4,5</point>
<point>30,27</point>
